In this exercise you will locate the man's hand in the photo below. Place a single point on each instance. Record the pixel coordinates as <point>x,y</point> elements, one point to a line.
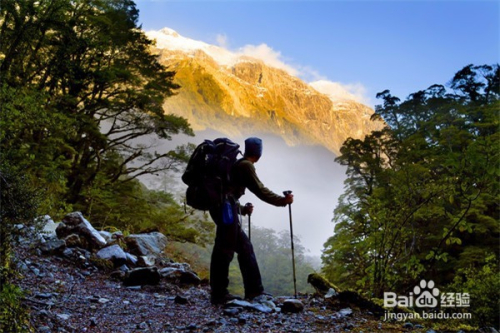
<point>289,198</point>
<point>247,209</point>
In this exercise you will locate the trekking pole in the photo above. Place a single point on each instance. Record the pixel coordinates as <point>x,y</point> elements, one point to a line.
<point>291,238</point>
<point>249,234</point>
<point>249,219</point>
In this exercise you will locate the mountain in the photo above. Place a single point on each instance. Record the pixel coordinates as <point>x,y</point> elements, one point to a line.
<point>240,95</point>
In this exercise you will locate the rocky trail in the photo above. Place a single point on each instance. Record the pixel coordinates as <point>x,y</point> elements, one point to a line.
<point>69,289</point>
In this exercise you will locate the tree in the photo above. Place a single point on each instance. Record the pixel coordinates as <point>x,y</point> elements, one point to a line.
<point>422,194</point>
<point>101,91</point>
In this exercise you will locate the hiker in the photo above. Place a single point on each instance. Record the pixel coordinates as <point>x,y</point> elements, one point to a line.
<point>230,238</point>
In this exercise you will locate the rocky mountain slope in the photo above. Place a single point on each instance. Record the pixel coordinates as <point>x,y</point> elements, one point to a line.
<point>238,95</point>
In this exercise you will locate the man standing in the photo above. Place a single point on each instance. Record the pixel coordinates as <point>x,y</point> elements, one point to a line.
<point>230,237</point>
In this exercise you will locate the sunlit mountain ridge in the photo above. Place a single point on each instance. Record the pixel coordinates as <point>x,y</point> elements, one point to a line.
<point>240,95</point>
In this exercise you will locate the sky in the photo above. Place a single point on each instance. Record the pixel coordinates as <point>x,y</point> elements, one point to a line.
<point>364,47</point>
<point>358,48</point>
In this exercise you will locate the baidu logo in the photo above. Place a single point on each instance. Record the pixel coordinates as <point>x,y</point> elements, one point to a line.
<point>427,295</point>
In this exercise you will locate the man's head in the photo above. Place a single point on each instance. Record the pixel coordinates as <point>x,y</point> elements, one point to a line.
<point>253,148</point>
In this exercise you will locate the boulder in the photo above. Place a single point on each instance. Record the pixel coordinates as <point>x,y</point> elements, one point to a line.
<point>179,275</point>
<point>142,276</point>
<point>75,223</point>
<point>52,246</point>
<point>146,244</point>
<point>113,253</point>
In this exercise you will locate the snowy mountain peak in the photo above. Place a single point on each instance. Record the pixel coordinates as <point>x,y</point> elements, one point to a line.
<point>167,38</point>
<point>170,32</point>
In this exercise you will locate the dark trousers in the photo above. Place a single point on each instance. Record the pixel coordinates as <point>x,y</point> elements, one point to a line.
<point>228,240</point>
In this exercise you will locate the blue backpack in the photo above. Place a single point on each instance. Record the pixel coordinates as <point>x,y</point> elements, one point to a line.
<point>208,173</point>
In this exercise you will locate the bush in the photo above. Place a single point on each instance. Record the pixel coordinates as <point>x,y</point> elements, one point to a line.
<point>483,285</point>
<point>18,204</point>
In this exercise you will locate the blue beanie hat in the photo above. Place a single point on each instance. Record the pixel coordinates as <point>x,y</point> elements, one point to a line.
<point>253,147</point>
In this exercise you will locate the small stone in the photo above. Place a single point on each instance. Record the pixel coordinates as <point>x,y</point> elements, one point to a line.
<point>180,300</point>
<point>142,326</point>
<point>232,311</point>
<point>103,300</point>
<point>292,306</point>
<point>345,312</point>
<point>408,325</point>
<point>331,293</point>
<point>63,316</point>
<point>191,327</point>
<point>44,329</point>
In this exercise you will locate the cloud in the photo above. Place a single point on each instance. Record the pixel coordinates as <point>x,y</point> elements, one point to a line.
<point>336,90</point>
<point>222,40</point>
<point>269,56</point>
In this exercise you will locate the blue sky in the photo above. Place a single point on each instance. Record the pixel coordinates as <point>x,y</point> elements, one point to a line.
<point>367,46</point>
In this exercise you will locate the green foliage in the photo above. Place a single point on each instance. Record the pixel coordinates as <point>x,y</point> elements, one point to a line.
<point>18,205</point>
<point>422,194</point>
<point>14,317</point>
<point>483,286</point>
<point>274,256</point>
<point>80,86</point>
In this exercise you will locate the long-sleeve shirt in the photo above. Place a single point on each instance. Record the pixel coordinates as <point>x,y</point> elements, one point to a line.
<point>244,176</point>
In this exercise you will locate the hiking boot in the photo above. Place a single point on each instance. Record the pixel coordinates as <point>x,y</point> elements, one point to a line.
<point>260,297</point>
<point>216,299</point>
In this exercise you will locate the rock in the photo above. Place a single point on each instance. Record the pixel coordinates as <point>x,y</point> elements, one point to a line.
<point>117,275</point>
<point>180,300</point>
<point>331,293</point>
<point>321,285</point>
<point>108,237</point>
<point>344,313</point>
<point>408,325</point>
<point>73,240</point>
<point>142,276</point>
<point>52,246</point>
<point>292,306</point>
<point>488,330</point>
<point>49,226</point>
<point>180,276</point>
<point>146,244</point>
<point>232,311</point>
<point>63,316</point>
<point>75,223</point>
<point>244,304</point>
<point>131,259</point>
<point>146,261</point>
<point>113,253</point>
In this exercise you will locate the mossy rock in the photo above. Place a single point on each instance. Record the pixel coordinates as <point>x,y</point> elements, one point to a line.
<point>344,298</point>
<point>321,284</point>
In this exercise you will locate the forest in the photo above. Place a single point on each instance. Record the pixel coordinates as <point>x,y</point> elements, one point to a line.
<point>80,91</point>
<point>422,196</point>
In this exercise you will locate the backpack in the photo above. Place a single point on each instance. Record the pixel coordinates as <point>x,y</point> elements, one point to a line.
<point>208,173</point>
